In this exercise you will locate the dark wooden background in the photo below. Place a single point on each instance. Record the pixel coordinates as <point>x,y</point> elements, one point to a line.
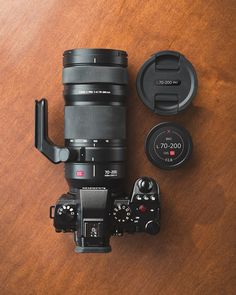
<point>195,253</point>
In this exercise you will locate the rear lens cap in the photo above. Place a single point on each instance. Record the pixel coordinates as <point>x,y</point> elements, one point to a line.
<point>168,145</point>
<point>167,82</point>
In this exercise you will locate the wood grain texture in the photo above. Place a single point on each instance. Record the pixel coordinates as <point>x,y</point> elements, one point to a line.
<point>195,253</point>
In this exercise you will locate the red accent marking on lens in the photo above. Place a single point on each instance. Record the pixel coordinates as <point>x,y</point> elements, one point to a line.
<point>80,173</point>
<point>172,153</point>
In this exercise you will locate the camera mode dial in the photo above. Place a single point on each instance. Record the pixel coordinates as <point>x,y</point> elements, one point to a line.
<point>122,213</point>
<point>66,211</point>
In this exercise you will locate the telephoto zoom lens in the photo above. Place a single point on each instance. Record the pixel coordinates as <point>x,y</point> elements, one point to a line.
<point>96,205</point>
<point>95,89</point>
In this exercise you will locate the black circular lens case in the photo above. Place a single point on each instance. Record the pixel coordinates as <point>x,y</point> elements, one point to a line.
<point>168,145</point>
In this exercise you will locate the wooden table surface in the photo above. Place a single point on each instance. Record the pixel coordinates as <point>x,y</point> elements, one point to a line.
<point>195,253</point>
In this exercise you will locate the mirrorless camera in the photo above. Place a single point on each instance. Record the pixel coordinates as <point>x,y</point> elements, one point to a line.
<point>96,206</point>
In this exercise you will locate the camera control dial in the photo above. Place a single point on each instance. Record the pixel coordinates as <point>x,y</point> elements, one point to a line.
<point>122,213</point>
<point>66,211</point>
<point>145,185</point>
<point>152,227</point>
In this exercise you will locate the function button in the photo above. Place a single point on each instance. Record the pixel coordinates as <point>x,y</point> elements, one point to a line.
<point>153,197</point>
<point>138,197</point>
<point>146,198</point>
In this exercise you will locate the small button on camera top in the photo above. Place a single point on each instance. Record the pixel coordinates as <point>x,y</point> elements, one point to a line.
<point>138,197</point>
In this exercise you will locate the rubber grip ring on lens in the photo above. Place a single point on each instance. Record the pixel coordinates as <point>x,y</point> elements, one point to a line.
<point>95,74</point>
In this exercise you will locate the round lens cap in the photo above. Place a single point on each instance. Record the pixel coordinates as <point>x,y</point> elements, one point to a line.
<point>168,145</point>
<point>167,82</point>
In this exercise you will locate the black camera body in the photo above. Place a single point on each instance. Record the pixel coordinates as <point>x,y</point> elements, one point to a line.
<point>94,214</point>
<point>96,206</point>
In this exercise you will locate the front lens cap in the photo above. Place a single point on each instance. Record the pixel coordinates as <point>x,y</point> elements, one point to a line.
<point>167,82</point>
<point>168,145</point>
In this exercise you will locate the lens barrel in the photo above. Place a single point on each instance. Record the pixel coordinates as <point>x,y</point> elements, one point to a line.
<point>95,89</point>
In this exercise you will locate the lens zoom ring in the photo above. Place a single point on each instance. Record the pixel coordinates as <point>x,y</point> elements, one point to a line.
<point>95,74</point>
<point>103,122</point>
